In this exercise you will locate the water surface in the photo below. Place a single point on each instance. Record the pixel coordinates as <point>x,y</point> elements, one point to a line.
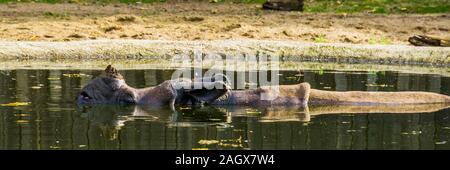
<point>52,120</point>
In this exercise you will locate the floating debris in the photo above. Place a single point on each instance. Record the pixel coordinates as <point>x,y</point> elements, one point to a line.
<point>75,75</point>
<point>379,85</point>
<point>53,78</point>
<point>231,145</point>
<point>22,121</point>
<point>441,143</point>
<point>185,108</point>
<point>291,78</point>
<point>16,104</point>
<point>200,149</point>
<point>412,133</point>
<point>208,142</point>
<point>55,147</point>
<point>20,115</point>
<point>239,140</point>
<point>321,72</point>
<point>35,87</point>
<point>253,112</point>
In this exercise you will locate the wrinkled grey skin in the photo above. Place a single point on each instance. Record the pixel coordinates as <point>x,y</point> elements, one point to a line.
<point>112,89</point>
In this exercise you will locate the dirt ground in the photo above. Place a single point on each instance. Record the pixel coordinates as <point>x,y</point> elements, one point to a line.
<point>206,21</point>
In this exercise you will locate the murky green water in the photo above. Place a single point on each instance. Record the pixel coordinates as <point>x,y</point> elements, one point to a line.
<point>53,121</point>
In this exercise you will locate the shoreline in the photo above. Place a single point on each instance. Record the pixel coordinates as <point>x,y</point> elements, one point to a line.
<point>286,50</point>
<point>158,54</point>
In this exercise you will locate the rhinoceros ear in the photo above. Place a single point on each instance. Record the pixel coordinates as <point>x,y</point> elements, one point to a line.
<point>112,72</point>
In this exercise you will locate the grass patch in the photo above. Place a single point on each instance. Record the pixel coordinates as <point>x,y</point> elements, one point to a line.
<point>378,6</point>
<point>382,40</point>
<point>321,39</point>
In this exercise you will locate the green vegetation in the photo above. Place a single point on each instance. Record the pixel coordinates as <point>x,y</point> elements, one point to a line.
<point>378,6</point>
<point>321,39</point>
<point>382,40</point>
<point>338,6</point>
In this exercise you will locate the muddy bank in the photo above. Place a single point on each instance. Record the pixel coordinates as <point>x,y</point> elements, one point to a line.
<point>148,51</point>
<point>207,21</point>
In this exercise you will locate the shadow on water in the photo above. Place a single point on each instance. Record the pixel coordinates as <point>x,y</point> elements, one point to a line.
<point>53,121</point>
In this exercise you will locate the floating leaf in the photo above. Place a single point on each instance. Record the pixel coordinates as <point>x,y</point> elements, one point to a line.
<point>55,147</point>
<point>200,149</point>
<point>231,145</point>
<point>321,72</point>
<point>291,78</point>
<point>53,78</point>
<point>22,121</point>
<point>379,85</point>
<point>185,108</point>
<point>35,87</point>
<point>208,142</point>
<point>74,75</point>
<point>253,112</point>
<point>19,115</point>
<point>441,143</point>
<point>412,133</point>
<point>16,104</point>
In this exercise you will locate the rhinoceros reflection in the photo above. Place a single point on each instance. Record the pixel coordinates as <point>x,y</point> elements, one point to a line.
<point>185,126</point>
<point>118,115</point>
<point>112,118</point>
<point>304,114</point>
